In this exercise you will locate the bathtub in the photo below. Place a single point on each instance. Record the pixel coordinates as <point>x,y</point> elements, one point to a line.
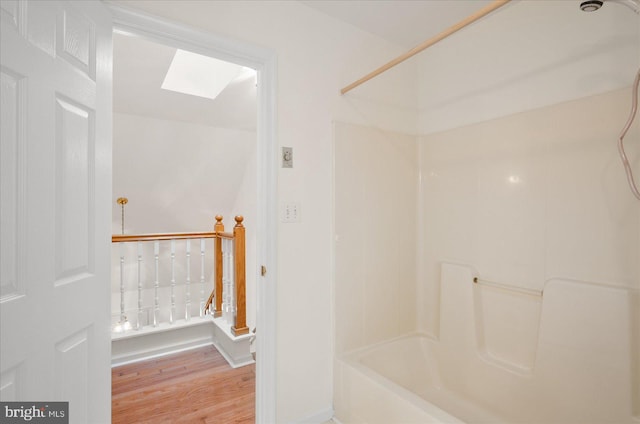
<point>399,382</point>
<point>579,364</point>
<point>404,381</point>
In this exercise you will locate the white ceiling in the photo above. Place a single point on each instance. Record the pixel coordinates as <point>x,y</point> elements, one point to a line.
<point>403,22</point>
<point>141,65</point>
<point>139,68</point>
<point>525,55</point>
<point>539,44</point>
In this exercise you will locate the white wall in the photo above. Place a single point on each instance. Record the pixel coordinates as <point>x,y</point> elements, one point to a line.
<point>376,187</point>
<point>316,57</point>
<point>177,177</point>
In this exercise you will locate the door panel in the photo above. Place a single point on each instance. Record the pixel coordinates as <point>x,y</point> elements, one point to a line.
<point>72,371</point>
<point>12,167</point>
<point>77,45</point>
<point>55,61</point>
<point>74,221</point>
<point>9,13</point>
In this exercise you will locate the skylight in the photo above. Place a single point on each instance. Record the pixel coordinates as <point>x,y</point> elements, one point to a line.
<point>199,75</point>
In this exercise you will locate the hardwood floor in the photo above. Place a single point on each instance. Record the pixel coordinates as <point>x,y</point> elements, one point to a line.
<point>197,386</point>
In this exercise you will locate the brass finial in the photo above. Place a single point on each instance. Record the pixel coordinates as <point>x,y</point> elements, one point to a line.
<point>122,201</point>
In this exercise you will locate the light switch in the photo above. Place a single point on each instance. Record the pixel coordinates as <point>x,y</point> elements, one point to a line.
<point>287,157</point>
<point>291,212</point>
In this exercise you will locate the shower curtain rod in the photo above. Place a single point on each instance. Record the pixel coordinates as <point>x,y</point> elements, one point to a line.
<point>430,42</point>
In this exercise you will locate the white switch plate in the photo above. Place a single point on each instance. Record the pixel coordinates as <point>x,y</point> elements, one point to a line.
<point>291,212</point>
<point>287,157</point>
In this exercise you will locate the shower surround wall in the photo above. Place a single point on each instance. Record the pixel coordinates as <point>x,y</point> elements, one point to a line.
<point>538,201</point>
<point>376,187</point>
<point>530,197</point>
<point>535,201</point>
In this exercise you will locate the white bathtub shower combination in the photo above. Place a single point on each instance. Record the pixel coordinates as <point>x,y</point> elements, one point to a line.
<point>542,216</point>
<point>584,369</point>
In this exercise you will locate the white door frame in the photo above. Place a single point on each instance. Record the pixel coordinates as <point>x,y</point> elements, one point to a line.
<point>157,29</point>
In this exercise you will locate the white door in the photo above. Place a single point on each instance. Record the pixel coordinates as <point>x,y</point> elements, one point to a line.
<point>55,205</point>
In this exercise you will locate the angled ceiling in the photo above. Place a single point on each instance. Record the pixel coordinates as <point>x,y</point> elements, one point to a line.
<point>141,65</point>
<point>139,68</point>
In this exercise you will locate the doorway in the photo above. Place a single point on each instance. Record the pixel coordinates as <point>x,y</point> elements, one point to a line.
<point>137,24</point>
<point>184,151</point>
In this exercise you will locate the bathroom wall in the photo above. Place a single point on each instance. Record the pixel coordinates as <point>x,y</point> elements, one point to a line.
<point>530,197</point>
<point>536,202</point>
<point>177,177</point>
<point>375,183</point>
<point>521,184</point>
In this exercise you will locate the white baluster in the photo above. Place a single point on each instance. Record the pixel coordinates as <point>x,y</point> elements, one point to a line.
<point>225,280</point>
<point>172,313</point>
<point>229,283</point>
<point>138,323</point>
<point>232,284</point>
<point>187,311</point>
<point>228,307</point>
<point>202,301</point>
<point>123,318</point>
<point>156,285</point>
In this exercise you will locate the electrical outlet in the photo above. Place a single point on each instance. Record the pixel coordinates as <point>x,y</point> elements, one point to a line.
<point>291,212</point>
<point>287,157</point>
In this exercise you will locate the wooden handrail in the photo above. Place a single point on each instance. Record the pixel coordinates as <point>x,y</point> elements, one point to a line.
<point>238,327</point>
<point>117,238</point>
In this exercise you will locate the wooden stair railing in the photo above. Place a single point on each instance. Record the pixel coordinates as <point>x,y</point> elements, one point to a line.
<point>239,325</point>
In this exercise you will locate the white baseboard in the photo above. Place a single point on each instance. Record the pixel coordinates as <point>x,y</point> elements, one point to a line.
<point>319,417</point>
<point>149,343</point>
<point>235,349</point>
<point>234,363</point>
<point>153,345</point>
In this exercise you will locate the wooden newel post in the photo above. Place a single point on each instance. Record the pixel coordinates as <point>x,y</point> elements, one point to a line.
<point>240,326</point>
<point>218,228</point>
